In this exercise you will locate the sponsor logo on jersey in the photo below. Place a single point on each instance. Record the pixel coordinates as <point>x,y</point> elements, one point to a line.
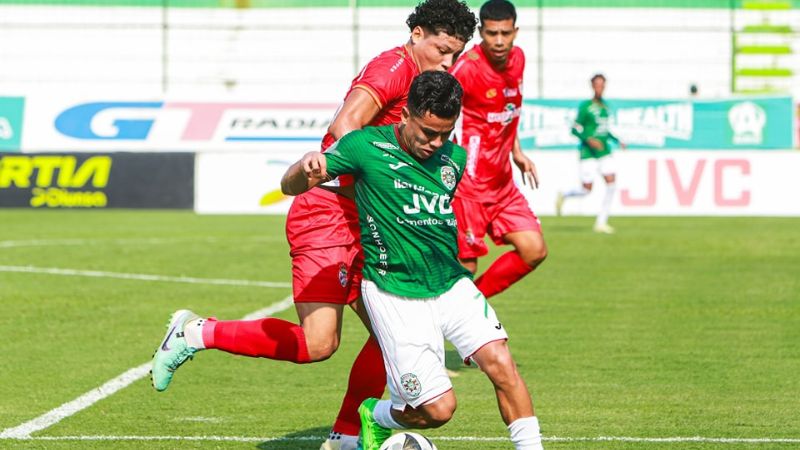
<point>448,160</point>
<point>398,63</point>
<point>491,93</point>
<point>470,237</point>
<point>411,385</point>
<point>506,116</point>
<point>343,274</point>
<point>398,165</point>
<point>448,177</point>
<point>510,92</point>
<point>385,146</point>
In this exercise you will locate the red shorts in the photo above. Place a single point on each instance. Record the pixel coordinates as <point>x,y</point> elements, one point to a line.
<point>476,218</point>
<point>323,234</point>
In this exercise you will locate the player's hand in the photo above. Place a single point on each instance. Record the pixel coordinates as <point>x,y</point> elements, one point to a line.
<point>623,145</point>
<point>594,143</point>
<point>314,166</point>
<point>529,174</point>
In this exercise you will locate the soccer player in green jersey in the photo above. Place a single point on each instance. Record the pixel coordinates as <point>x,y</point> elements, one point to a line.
<point>591,127</point>
<point>415,290</point>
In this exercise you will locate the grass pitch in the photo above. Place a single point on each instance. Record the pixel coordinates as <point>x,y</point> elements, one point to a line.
<point>672,328</point>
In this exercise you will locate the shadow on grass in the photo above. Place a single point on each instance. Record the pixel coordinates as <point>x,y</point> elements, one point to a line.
<point>299,440</point>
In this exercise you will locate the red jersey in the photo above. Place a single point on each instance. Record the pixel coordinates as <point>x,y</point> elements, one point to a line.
<point>387,79</point>
<point>489,119</point>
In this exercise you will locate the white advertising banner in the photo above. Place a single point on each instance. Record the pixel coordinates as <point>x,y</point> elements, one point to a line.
<point>111,124</point>
<point>649,183</point>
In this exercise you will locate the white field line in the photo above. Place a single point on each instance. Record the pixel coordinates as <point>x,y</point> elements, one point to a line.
<point>141,276</point>
<point>86,400</point>
<point>435,438</point>
<point>126,241</point>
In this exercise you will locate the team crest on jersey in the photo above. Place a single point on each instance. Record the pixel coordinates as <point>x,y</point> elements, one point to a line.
<point>491,93</point>
<point>411,385</point>
<point>385,145</point>
<point>343,274</point>
<point>473,55</point>
<point>448,177</point>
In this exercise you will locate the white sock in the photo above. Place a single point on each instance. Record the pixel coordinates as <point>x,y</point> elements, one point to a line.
<point>525,434</point>
<point>577,192</point>
<point>602,218</point>
<point>383,415</point>
<point>193,333</point>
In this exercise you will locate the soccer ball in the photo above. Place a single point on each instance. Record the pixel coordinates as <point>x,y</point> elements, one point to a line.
<point>408,441</point>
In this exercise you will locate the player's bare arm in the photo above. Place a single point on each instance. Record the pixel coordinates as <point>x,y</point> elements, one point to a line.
<point>358,110</point>
<point>529,174</point>
<point>303,175</point>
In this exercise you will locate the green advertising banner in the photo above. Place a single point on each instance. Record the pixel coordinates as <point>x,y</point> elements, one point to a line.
<point>742,123</point>
<point>11,110</point>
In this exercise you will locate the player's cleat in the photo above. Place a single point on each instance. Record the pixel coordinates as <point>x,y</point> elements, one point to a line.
<point>559,202</point>
<point>339,441</point>
<point>603,228</point>
<point>372,433</point>
<point>173,350</point>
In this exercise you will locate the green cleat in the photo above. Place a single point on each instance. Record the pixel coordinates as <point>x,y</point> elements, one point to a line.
<point>372,434</point>
<point>173,350</point>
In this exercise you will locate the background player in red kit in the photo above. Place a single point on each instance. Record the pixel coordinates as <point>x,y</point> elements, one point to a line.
<point>487,199</point>
<point>323,233</point>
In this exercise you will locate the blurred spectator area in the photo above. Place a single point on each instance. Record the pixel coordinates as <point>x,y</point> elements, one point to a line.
<point>309,50</point>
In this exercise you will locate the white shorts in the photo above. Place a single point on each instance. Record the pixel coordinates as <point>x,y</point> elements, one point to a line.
<point>411,333</point>
<point>589,167</point>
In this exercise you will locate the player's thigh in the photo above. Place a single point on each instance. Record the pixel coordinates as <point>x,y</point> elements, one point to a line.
<point>468,320</point>
<point>327,275</point>
<point>410,336</point>
<point>607,166</point>
<point>514,214</point>
<point>588,168</point>
<point>321,322</point>
<point>472,225</point>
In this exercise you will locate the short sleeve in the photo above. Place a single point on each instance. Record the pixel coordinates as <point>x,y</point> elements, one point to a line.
<point>342,157</point>
<point>386,77</point>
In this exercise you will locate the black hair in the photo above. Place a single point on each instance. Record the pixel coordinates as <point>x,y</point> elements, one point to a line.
<point>449,16</point>
<point>436,92</point>
<point>498,10</point>
<point>598,75</point>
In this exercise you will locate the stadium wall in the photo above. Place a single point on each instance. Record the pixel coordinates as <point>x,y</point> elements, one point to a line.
<point>311,53</point>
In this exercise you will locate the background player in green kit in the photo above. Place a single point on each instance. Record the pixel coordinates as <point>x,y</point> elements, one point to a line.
<point>591,127</point>
<point>415,290</point>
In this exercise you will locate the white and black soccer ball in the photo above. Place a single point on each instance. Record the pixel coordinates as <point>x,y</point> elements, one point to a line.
<point>408,441</point>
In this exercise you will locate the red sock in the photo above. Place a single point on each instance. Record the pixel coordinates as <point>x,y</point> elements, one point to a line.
<point>507,270</point>
<point>264,338</point>
<point>367,379</point>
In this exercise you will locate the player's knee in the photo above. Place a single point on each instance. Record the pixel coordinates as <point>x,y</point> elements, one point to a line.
<point>439,412</point>
<point>535,254</point>
<point>587,187</point>
<point>322,349</point>
<point>500,368</point>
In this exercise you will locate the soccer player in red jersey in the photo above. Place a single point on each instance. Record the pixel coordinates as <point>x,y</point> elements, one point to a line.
<point>487,199</point>
<point>323,233</point>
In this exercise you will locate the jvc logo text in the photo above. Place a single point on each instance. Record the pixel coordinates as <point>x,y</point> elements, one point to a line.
<point>421,201</point>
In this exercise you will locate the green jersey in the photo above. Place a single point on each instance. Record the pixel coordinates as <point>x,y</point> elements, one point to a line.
<point>408,229</point>
<point>592,122</point>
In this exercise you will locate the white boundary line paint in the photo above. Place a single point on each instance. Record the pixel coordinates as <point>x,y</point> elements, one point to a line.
<point>110,387</point>
<point>141,276</point>
<point>435,438</point>
<point>125,241</point>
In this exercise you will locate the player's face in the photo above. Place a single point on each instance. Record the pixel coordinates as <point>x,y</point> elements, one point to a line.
<point>497,40</point>
<point>598,86</point>
<point>435,51</point>
<point>423,136</point>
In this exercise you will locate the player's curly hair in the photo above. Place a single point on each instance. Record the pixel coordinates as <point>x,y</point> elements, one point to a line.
<point>452,17</point>
<point>436,92</point>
